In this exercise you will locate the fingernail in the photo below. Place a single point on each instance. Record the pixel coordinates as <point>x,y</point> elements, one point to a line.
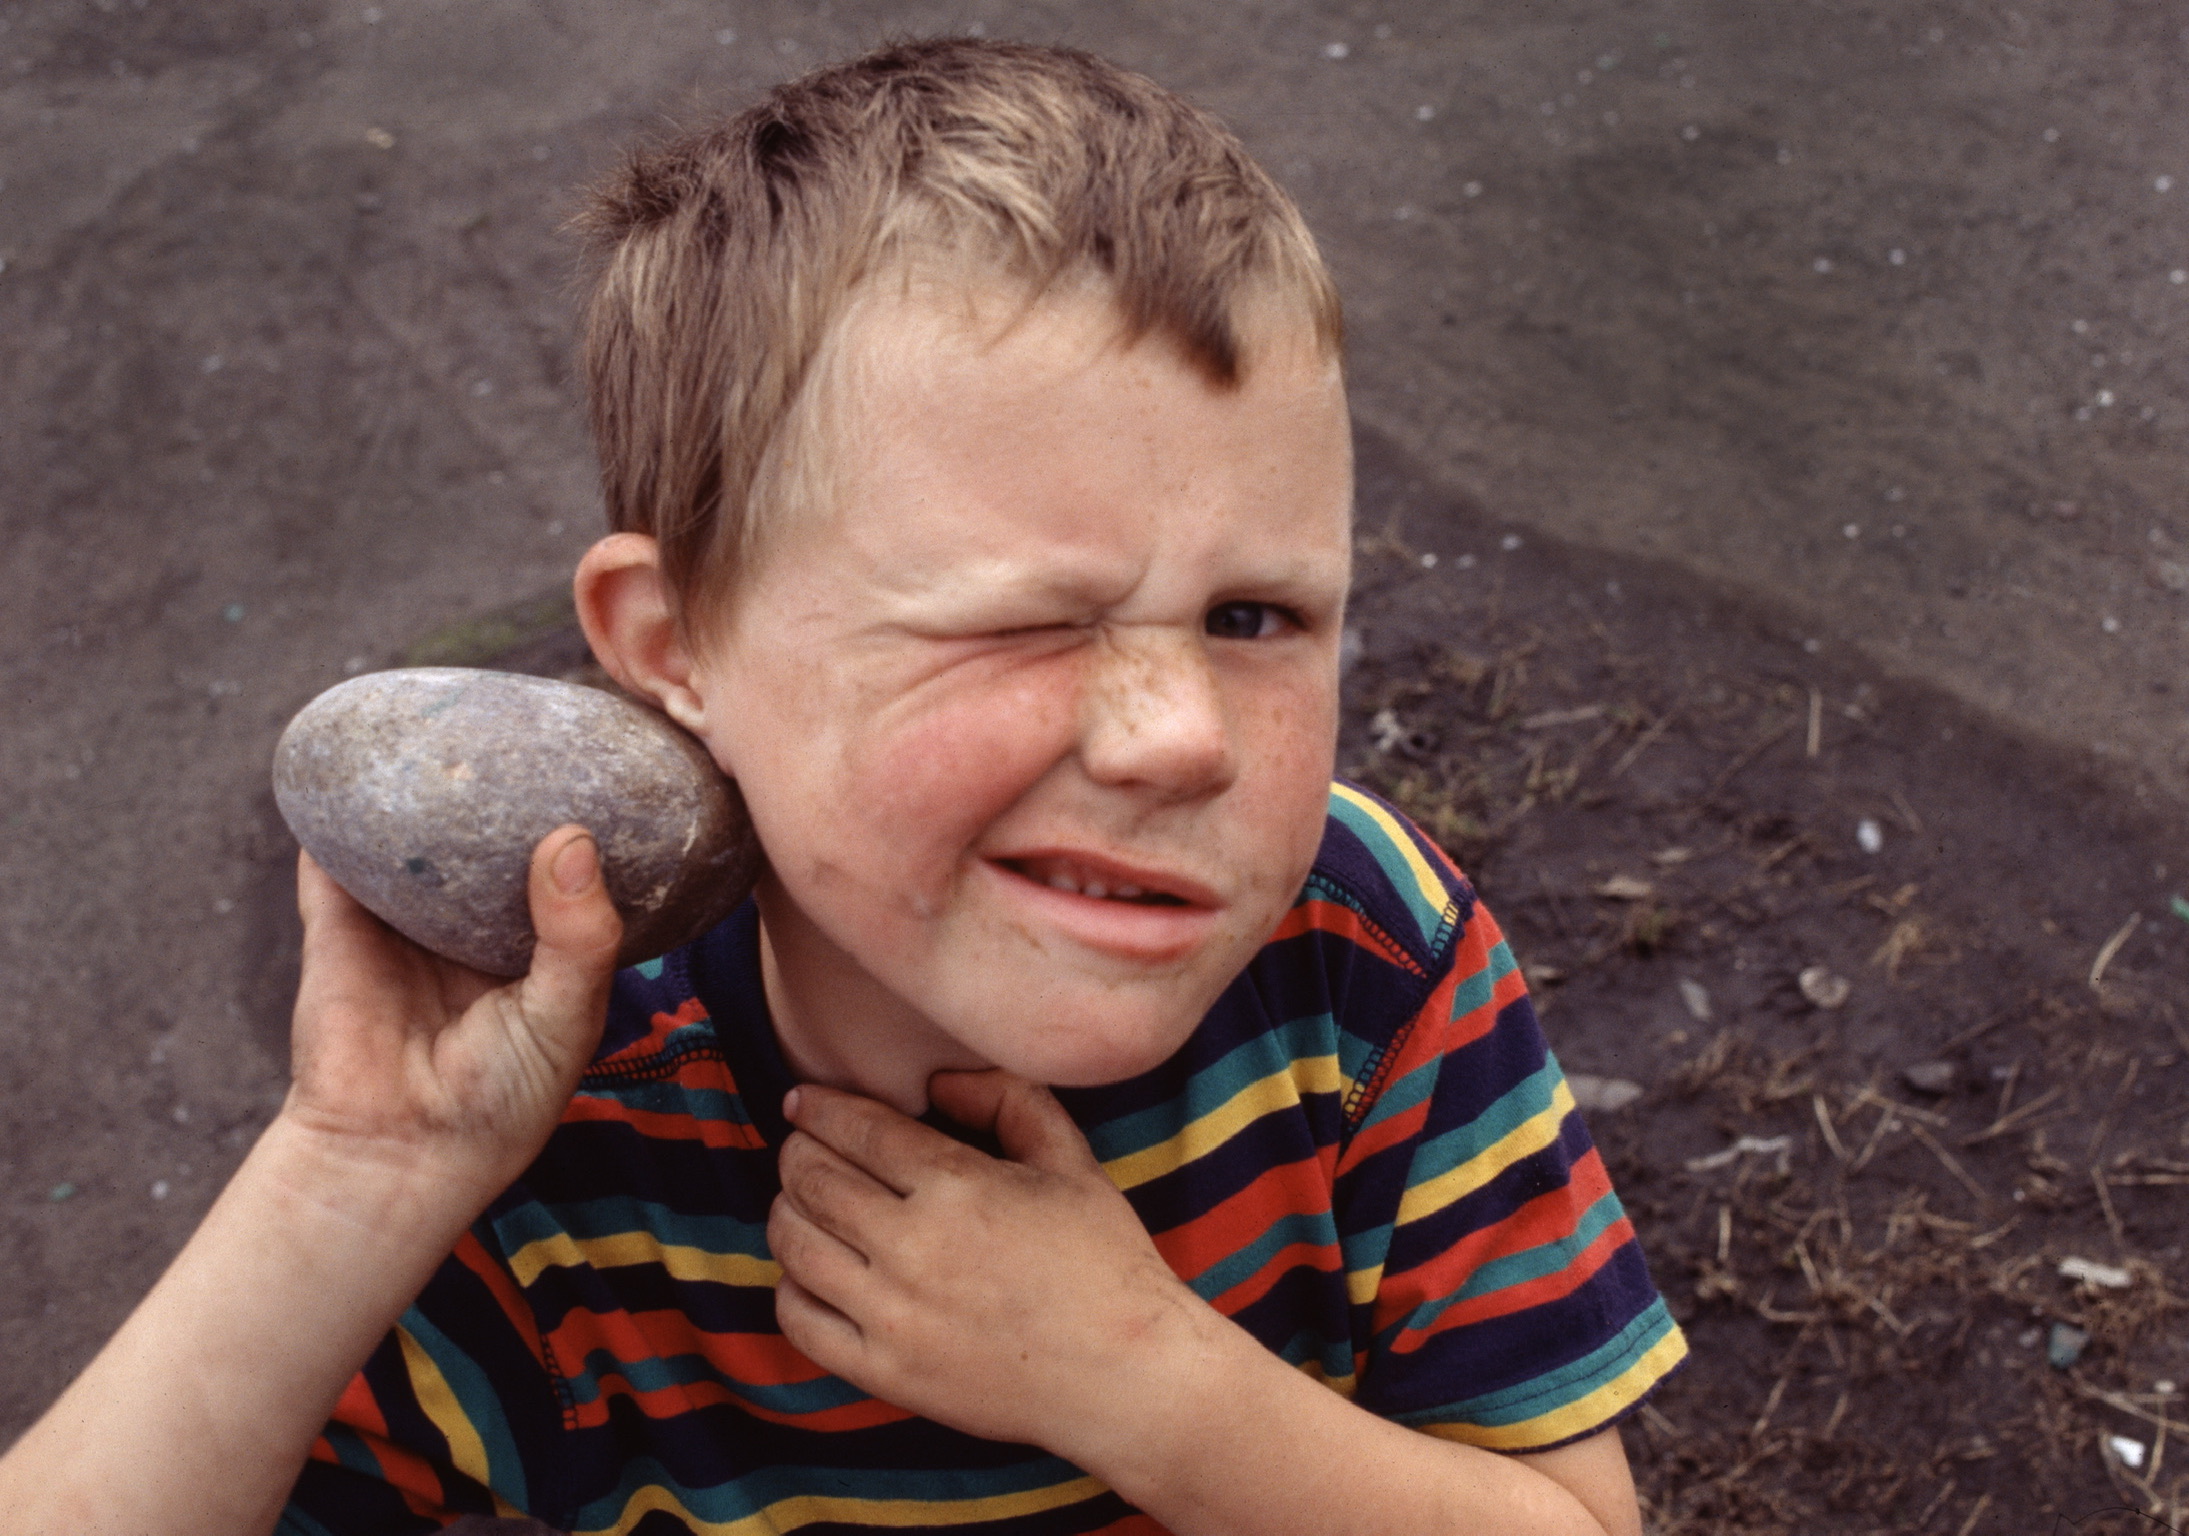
<point>790,1105</point>
<point>575,867</point>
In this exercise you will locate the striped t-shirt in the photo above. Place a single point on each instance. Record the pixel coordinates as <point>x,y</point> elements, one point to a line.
<point>1365,1155</point>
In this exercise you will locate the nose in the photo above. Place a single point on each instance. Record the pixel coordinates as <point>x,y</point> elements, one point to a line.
<point>1152,715</point>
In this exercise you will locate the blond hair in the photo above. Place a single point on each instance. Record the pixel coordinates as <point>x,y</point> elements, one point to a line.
<point>726,255</point>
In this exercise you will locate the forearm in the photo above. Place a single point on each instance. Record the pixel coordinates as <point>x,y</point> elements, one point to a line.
<point>199,1412</point>
<point>1231,1441</point>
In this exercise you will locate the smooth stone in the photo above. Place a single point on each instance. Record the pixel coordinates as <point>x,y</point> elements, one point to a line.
<point>423,792</point>
<point>1930,1076</point>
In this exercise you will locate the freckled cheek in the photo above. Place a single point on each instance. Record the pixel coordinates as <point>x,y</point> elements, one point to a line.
<point>935,777</point>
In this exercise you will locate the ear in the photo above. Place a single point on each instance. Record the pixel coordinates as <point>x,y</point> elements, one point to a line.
<point>623,604</point>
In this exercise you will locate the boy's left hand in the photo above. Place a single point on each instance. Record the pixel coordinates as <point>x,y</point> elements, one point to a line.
<point>1016,1299</point>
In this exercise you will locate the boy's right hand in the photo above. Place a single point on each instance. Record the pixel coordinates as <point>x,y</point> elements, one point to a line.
<point>417,1065</point>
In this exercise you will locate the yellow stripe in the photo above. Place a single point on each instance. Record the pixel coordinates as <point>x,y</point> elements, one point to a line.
<point>681,1261</point>
<point>1344,1385</point>
<point>1529,1136</point>
<point>1606,1402</point>
<point>1280,1090</point>
<point>1425,875</point>
<point>814,1509</point>
<point>1361,1284</point>
<point>438,1399</point>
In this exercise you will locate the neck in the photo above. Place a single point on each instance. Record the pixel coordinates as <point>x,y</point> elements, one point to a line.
<point>836,1024</point>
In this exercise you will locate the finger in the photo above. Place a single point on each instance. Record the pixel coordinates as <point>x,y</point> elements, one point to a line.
<point>887,1143</point>
<point>813,1256</point>
<point>1025,1118</point>
<point>817,1330</point>
<point>565,994</point>
<point>837,1195</point>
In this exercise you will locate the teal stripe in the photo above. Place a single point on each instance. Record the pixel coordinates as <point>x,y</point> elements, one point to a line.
<point>655,1373</point>
<point>350,1449</point>
<point>1244,1263</point>
<point>294,1522</point>
<point>478,1401</point>
<point>1477,990</point>
<point>1335,1356</point>
<point>742,1497</point>
<point>1520,1268</point>
<point>1403,1094</point>
<point>1527,1098</point>
<point>613,1215</point>
<point>1215,1085</point>
<point>1544,1259</point>
<point>660,1097</point>
<point>1553,1390</point>
<point>650,969</point>
<point>1398,872</point>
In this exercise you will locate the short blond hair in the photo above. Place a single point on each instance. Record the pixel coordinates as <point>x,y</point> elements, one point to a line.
<point>725,256</point>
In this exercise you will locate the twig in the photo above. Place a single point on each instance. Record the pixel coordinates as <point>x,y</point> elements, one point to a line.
<point>1816,722</point>
<point>2105,1200</point>
<point>2112,947</point>
<point>1975,1515</point>
<point>1646,740</point>
<point>2006,1123</point>
<point>1747,757</point>
<point>1967,1035</point>
<point>1913,822</point>
<point>1824,1123</point>
<point>1872,1096</point>
<point>1983,1197</point>
<point>1770,1406</point>
<point>1558,909</point>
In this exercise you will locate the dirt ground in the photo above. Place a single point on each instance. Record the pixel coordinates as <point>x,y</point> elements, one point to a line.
<point>1757,377</point>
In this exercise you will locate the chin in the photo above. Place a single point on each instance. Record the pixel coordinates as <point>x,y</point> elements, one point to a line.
<point>1097,1050</point>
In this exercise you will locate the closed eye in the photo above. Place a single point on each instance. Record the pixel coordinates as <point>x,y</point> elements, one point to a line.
<point>1248,621</point>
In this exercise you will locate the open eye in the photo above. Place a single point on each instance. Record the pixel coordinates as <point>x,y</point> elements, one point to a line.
<point>1245,621</point>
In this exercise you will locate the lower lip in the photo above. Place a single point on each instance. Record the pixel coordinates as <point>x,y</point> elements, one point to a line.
<point>1129,930</point>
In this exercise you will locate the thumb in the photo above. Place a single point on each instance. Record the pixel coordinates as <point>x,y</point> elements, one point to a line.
<point>1025,1118</point>
<point>577,930</point>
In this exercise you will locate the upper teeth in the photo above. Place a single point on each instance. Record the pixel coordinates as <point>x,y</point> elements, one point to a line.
<point>1064,880</point>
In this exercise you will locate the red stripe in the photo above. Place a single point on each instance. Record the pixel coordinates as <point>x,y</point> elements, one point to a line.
<point>1371,1139</point>
<point>662,1403</point>
<point>1296,1188</point>
<point>472,1254</point>
<point>1337,918</point>
<point>1317,1256</point>
<point>1547,1218</point>
<point>764,1359</point>
<point>1532,1293</point>
<point>660,1028</point>
<point>677,1126</point>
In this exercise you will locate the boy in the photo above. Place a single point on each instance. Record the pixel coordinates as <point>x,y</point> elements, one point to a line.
<point>971,421</point>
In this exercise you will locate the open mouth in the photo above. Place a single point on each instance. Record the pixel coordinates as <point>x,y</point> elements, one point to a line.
<point>1079,879</point>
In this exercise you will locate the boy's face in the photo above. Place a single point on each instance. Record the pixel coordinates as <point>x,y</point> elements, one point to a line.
<point>1036,717</point>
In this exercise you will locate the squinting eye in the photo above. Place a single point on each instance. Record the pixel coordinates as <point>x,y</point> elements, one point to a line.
<point>1243,621</point>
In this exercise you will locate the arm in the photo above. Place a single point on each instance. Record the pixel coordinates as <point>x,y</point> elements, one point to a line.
<point>1022,1300</point>
<point>420,1091</point>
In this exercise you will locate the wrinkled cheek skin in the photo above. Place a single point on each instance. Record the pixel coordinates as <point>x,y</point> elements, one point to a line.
<point>924,786</point>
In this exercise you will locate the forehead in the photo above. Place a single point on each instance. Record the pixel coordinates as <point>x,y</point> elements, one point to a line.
<point>1054,392</point>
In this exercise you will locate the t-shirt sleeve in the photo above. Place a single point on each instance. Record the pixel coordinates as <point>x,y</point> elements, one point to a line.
<point>1500,1294</point>
<point>431,1429</point>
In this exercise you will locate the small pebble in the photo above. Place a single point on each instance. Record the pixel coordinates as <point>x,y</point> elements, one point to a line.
<point>159,1189</point>
<point>2065,1344</point>
<point>1602,1095</point>
<point>1335,50</point>
<point>1869,835</point>
<point>1930,1076</point>
<point>1823,987</point>
<point>61,1192</point>
<point>2130,1452</point>
<point>1697,998</point>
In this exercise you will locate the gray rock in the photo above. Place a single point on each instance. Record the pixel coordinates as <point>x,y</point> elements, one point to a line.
<point>1930,1076</point>
<point>423,792</point>
<point>1602,1095</point>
